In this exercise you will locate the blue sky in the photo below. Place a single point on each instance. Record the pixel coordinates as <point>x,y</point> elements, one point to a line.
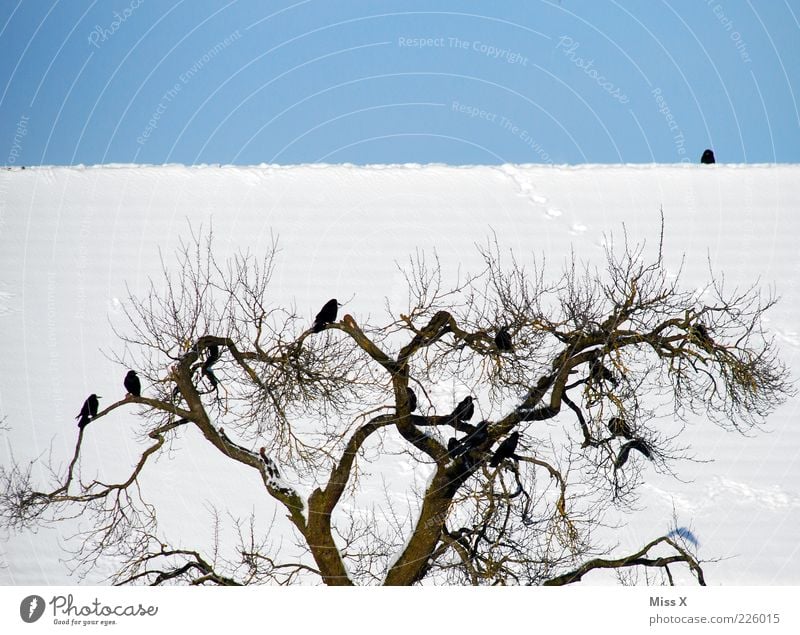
<point>250,81</point>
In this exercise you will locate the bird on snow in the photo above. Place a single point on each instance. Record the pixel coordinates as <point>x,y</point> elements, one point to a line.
<point>412,400</point>
<point>505,450</point>
<point>636,444</point>
<point>132,384</point>
<point>464,410</point>
<point>619,427</point>
<point>88,411</point>
<point>503,340</point>
<point>708,157</point>
<point>326,315</point>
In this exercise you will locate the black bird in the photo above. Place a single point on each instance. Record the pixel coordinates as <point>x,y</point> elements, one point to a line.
<point>132,384</point>
<point>636,444</point>
<point>455,448</point>
<point>477,438</point>
<point>700,333</point>
<point>503,340</point>
<point>464,410</point>
<point>598,373</point>
<point>88,411</point>
<point>212,357</point>
<point>412,400</point>
<point>505,450</point>
<point>326,315</point>
<point>708,157</point>
<point>619,427</point>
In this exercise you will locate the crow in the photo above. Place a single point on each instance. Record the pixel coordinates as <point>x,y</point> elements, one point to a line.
<point>326,315</point>
<point>212,357</point>
<point>598,373</point>
<point>464,410</point>
<point>455,448</point>
<point>476,439</point>
<point>88,411</point>
<point>505,450</point>
<point>700,334</point>
<point>412,400</point>
<point>132,384</point>
<point>708,157</point>
<point>503,340</point>
<point>619,427</point>
<point>636,444</point>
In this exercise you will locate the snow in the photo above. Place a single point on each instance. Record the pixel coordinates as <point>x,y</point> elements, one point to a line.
<point>71,238</point>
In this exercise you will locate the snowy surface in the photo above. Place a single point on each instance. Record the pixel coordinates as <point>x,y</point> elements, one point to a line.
<point>72,238</point>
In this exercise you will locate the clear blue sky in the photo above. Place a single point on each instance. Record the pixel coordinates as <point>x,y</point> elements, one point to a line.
<point>395,81</point>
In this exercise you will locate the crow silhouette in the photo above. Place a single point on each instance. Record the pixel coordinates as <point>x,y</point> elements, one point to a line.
<point>619,427</point>
<point>455,448</point>
<point>503,340</point>
<point>505,450</point>
<point>464,410</point>
<point>132,384</point>
<point>708,157</point>
<point>599,373</point>
<point>412,400</point>
<point>700,334</point>
<point>476,438</point>
<point>326,315</point>
<point>88,411</point>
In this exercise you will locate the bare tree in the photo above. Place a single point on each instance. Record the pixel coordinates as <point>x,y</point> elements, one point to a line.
<point>583,381</point>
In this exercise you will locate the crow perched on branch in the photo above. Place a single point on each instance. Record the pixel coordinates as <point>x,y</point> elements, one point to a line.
<point>132,384</point>
<point>505,450</point>
<point>478,437</point>
<point>619,427</point>
<point>464,410</point>
<point>412,400</point>
<point>327,315</point>
<point>699,333</point>
<point>455,448</point>
<point>503,340</point>
<point>88,411</point>
<point>472,441</point>
<point>599,373</point>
